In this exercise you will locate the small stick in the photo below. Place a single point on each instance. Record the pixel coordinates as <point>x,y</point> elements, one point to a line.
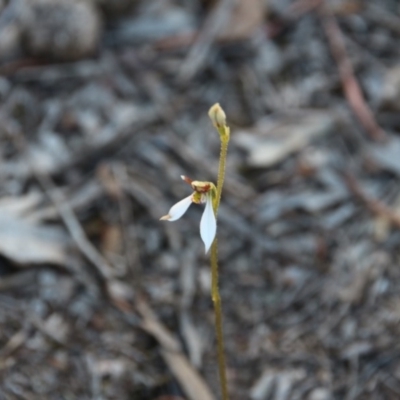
<point>215,22</point>
<point>73,226</point>
<point>350,85</point>
<point>376,206</point>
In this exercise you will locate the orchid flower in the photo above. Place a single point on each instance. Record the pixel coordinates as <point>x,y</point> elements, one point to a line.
<point>204,192</point>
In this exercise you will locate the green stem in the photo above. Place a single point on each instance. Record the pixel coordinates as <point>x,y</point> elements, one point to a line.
<point>221,173</point>
<point>216,298</point>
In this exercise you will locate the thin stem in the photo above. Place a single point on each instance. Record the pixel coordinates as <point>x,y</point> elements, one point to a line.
<point>216,298</point>
<point>221,173</point>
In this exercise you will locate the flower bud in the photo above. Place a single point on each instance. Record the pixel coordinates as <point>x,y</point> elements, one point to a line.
<point>217,116</point>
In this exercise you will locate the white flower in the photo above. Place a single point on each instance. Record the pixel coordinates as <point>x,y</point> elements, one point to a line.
<point>202,194</point>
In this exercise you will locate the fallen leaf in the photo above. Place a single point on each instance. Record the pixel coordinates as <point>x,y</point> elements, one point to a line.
<point>24,243</point>
<point>270,143</point>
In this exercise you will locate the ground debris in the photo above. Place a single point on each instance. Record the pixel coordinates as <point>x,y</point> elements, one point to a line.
<point>273,141</point>
<point>94,136</point>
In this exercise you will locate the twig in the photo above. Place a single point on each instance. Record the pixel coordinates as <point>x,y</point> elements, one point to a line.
<point>74,227</point>
<point>214,24</point>
<point>131,244</point>
<point>349,82</point>
<point>383,17</point>
<point>192,383</point>
<point>374,205</point>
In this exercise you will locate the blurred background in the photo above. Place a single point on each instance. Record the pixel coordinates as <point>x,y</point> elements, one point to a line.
<point>103,105</point>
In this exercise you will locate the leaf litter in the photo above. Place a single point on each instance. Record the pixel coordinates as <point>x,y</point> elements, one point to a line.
<point>93,291</point>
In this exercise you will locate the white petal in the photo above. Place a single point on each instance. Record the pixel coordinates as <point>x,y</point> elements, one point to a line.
<point>208,224</point>
<point>178,209</point>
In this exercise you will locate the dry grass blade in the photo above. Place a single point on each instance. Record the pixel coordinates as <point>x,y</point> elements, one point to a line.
<point>74,227</point>
<point>191,382</point>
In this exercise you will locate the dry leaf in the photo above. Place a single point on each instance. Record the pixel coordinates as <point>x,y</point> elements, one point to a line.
<point>26,243</point>
<point>269,144</point>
